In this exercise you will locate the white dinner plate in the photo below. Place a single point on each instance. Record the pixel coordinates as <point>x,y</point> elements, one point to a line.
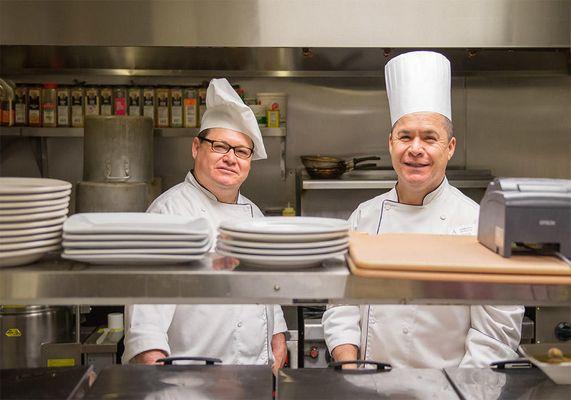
<point>285,238</point>
<point>31,231</point>
<point>120,222</point>
<point>123,244</point>
<point>282,262</point>
<point>21,257</point>
<point>9,185</point>
<point>32,217</point>
<point>131,237</point>
<point>31,210</point>
<point>28,244</point>
<point>286,225</point>
<point>281,252</point>
<point>9,205</point>
<point>30,238</point>
<point>4,227</point>
<point>172,251</point>
<point>291,245</point>
<point>129,259</point>
<point>11,198</point>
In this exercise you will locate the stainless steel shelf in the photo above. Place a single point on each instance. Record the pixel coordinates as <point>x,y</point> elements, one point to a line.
<point>29,131</point>
<point>56,281</point>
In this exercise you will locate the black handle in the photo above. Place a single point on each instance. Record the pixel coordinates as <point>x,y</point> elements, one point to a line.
<point>207,360</point>
<point>365,166</point>
<point>357,160</point>
<point>380,366</point>
<point>512,364</point>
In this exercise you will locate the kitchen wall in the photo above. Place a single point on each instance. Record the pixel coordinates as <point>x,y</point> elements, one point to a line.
<point>516,124</point>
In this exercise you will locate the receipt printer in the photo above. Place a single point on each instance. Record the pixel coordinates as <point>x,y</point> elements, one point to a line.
<point>529,212</point>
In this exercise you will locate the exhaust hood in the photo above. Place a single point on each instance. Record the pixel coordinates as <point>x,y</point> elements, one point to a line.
<point>289,23</point>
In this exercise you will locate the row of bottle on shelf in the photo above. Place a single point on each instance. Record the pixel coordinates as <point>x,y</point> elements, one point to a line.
<point>53,105</point>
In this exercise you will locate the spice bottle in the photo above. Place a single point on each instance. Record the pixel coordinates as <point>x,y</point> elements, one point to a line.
<point>49,100</point>
<point>7,103</point>
<point>162,108</point>
<point>176,107</point>
<point>63,106</point>
<point>34,106</point>
<point>149,102</point>
<point>21,105</point>
<point>201,102</point>
<point>190,114</point>
<point>92,101</point>
<point>120,101</point>
<point>106,94</point>
<point>77,106</point>
<point>134,101</point>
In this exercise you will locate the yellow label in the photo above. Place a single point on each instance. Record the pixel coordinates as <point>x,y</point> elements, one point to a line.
<point>61,362</point>
<point>13,332</point>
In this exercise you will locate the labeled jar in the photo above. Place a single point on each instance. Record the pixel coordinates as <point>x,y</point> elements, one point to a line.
<point>134,100</point>
<point>106,96</point>
<point>176,107</point>
<point>49,100</point>
<point>120,100</point>
<point>190,112</point>
<point>34,106</point>
<point>201,102</point>
<point>273,118</point>
<point>92,101</point>
<point>63,106</point>
<point>162,108</point>
<point>77,101</point>
<point>7,103</point>
<point>149,102</point>
<point>21,105</point>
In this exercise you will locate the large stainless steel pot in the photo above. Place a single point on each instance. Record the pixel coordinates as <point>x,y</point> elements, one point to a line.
<point>118,149</point>
<point>112,197</point>
<point>25,328</point>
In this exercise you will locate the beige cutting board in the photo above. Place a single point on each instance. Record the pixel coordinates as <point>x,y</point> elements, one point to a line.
<point>444,253</point>
<point>460,276</point>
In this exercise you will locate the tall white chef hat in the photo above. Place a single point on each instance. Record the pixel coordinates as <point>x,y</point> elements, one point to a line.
<point>418,81</point>
<point>225,109</point>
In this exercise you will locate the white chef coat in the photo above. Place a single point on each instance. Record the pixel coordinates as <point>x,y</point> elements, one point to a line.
<point>237,334</point>
<point>420,336</point>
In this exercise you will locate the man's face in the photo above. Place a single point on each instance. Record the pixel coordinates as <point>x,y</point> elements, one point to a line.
<point>420,150</point>
<point>222,171</point>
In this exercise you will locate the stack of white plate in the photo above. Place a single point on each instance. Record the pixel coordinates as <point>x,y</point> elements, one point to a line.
<point>135,238</point>
<point>283,242</point>
<point>32,211</point>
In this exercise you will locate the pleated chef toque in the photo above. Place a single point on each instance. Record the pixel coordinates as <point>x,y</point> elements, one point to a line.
<point>418,81</point>
<point>225,109</point>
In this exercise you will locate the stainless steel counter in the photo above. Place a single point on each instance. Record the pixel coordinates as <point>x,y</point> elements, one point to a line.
<point>326,383</point>
<point>202,382</point>
<point>507,384</point>
<point>56,281</point>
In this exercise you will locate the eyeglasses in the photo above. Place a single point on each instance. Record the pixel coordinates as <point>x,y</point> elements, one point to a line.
<point>221,147</point>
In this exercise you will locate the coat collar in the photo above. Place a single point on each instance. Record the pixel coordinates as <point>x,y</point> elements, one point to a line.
<point>428,199</point>
<point>190,178</point>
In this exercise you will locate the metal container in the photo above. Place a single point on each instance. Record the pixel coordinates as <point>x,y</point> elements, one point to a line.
<point>25,328</point>
<point>118,149</point>
<point>112,197</point>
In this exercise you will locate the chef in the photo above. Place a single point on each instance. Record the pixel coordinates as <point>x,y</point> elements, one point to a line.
<point>229,139</point>
<point>421,143</point>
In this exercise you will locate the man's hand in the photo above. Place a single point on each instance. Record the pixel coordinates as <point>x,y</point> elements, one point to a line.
<point>345,352</point>
<point>148,357</point>
<point>279,350</point>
